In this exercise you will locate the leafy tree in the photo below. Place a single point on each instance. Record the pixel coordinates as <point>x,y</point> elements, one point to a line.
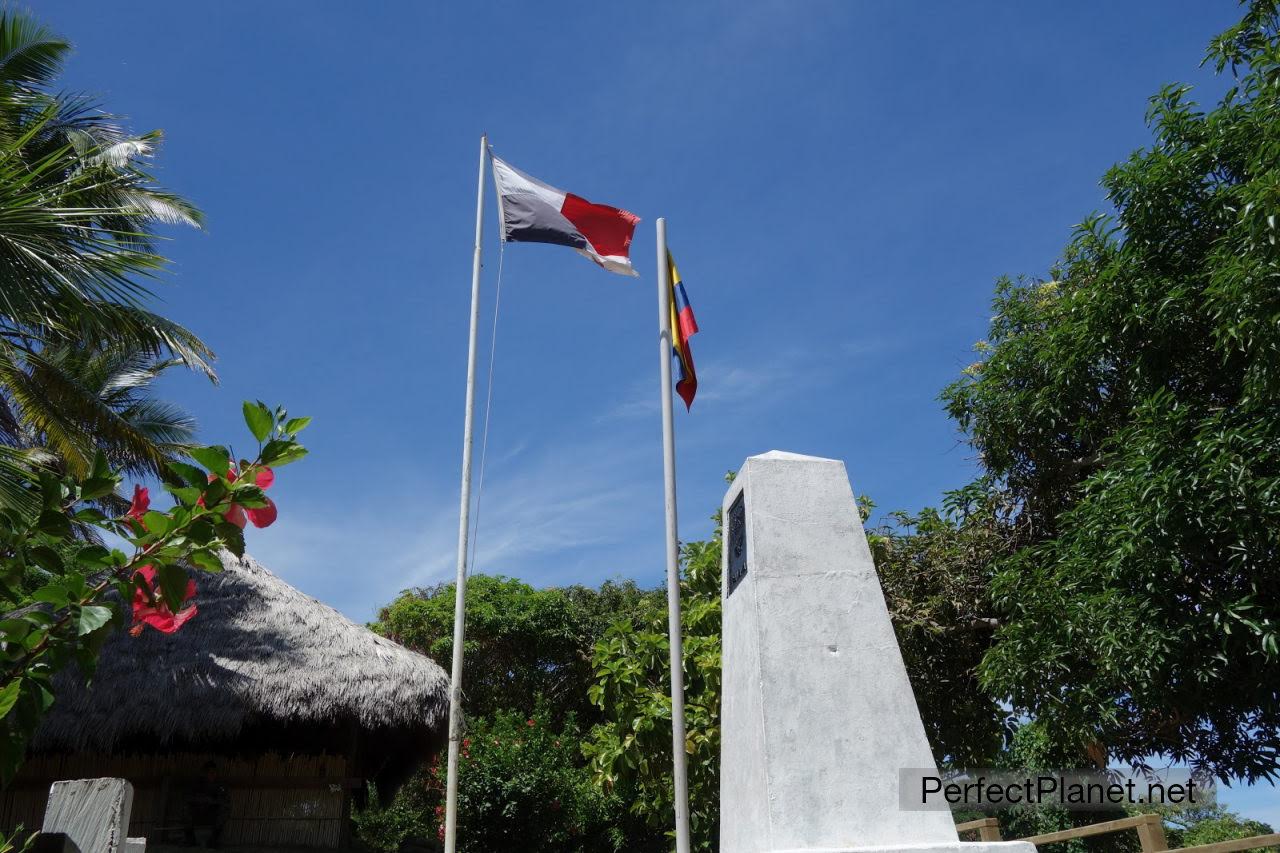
<point>521,643</point>
<point>630,752</point>
<point>1129,406</point>
<point>521,787</point>
<point>77,211</point>
<point>1191,827</point>
<point>935,569</point>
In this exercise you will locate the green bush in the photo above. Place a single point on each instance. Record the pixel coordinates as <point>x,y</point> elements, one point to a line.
<point>522,786</point>
<point>382,829</point>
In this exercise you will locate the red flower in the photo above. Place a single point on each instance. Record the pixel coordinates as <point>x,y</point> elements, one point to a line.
<point>235,515</point>
<point>149,608</point>
<point>262,516</point>
<point>141,503</point>
<point>530,723</point>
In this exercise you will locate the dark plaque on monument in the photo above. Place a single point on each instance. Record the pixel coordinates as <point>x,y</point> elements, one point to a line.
<point>737,542</point>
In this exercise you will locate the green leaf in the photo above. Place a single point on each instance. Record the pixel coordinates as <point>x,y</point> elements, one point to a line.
<point>93,617</point>
<point>173,584</point>
<point>90,515</point>
<point>9,696</point>
<point>54,593</point>
<point>52,490</point>
<point>98,487</point>
<point>259,419</point>
<point>186,495</point>
<point>214,492</point>
<point>232,536</point>
<point>189,474</point>
<point>13,630</point>
<point>206,560</point>
<point>216,459</point>
<point>46,558</point>
<point>249,496</point>
<point>54,523</point>
<point>281,452</point>
<point>296,425</point>
<point>201,531</point>
<point>157,523</point>
<point>100,467</point>
<point>94,557</point>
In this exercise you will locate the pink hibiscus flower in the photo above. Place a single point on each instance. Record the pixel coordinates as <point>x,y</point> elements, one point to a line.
<point>149,608</point>
<point>262,516</point>
<point>141,503</point>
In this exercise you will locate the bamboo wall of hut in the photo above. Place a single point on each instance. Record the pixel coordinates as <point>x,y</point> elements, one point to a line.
<point>275,800</point>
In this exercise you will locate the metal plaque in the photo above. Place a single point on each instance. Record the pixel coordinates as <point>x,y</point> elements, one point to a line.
<point>737,542</point>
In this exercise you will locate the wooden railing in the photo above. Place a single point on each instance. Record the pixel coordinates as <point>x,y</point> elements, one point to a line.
<point>1150,833</point>
<point>988,828</point>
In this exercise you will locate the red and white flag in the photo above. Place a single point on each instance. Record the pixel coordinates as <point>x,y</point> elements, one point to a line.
<point>533,212</point>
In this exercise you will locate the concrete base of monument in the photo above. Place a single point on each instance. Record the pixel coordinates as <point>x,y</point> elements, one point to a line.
<point>936,847</point>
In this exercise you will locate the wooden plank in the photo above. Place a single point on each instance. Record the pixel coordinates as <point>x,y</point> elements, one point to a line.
<point>1091,829</point>
<point>988,828</point>
<point>1236,844</point>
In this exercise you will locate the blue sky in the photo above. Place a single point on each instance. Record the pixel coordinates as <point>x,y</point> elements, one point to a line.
<point>843,183</point>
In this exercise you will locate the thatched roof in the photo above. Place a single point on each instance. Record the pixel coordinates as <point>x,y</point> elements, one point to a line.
<point>259,652</point>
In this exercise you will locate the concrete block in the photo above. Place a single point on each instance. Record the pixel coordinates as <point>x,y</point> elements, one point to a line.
<point>93,813</point>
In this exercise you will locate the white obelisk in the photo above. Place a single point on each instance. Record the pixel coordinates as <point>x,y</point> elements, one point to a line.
<point>818,718</point>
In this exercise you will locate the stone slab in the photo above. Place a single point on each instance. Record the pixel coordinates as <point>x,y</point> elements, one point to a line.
<point>93,813</point>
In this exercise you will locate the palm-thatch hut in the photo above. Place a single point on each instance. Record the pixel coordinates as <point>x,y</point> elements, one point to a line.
<point>296,705</point>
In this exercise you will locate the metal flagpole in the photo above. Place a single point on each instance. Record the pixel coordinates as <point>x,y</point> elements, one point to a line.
<point>464,521</point>
<point>673,547</point>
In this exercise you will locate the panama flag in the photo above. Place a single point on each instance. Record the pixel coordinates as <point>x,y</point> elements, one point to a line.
<point>533,212</point>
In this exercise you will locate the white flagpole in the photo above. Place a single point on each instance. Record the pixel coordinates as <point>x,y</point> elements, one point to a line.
<point>673,548</point>
<point>464,522</point>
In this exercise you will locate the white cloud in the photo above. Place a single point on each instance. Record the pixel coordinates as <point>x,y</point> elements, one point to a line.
<point>534,510</point>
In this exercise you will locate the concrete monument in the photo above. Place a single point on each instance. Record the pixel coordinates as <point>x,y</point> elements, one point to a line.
<point>818,717</point>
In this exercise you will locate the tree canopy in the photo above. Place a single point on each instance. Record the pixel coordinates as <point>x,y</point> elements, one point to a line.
<point>521,643</point>
<point>1127,405</point>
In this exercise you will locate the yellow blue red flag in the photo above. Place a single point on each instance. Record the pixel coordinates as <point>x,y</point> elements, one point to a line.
<point>683,327</point>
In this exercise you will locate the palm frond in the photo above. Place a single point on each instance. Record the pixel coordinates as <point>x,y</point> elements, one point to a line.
<point>30,53</point>
<point>18,469</point>
<point>159,206</point>
<point>166,425</point>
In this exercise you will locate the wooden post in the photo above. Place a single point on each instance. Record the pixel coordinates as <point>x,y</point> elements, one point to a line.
<point>988,828</point>
<point>1151,834</point>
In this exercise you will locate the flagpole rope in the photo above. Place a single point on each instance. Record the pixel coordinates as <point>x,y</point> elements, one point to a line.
<point>488,403</point>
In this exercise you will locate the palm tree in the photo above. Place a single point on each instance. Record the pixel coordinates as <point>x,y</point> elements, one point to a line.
<point>77,213</point>
<point>67,403</point>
